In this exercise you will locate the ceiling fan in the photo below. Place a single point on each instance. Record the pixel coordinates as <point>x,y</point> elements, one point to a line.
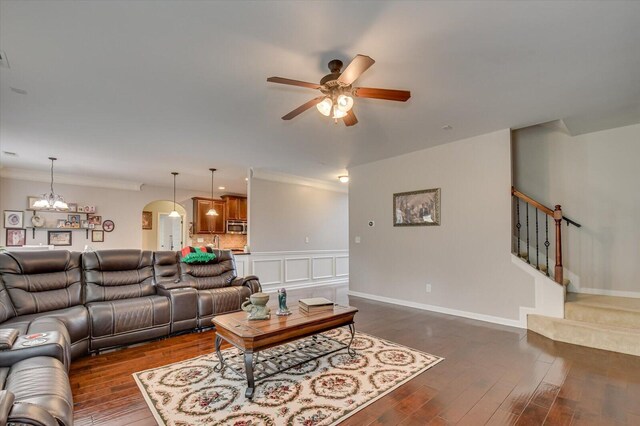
<point>337,91</point>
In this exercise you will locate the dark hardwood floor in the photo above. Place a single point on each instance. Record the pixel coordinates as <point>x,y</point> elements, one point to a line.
<point>491,375</point>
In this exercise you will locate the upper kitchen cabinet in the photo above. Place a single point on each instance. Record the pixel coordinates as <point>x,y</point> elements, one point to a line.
<point>236,207</point>
<point>203,224</point>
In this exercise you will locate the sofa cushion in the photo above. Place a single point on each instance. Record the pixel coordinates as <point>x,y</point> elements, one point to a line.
<point>122,316</point>
<point>117,274</point>
<point>165,267</point>
<point>40,281</point>
<point>218,273</point>
<point>42,381</point>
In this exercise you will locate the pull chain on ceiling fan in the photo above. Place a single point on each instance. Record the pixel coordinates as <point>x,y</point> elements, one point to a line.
<point>337,91</point>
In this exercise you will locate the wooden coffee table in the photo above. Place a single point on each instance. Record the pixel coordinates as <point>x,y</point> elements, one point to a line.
<point>251,337</point>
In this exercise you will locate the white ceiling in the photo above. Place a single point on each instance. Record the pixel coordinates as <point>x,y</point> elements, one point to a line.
<point>136,89</point>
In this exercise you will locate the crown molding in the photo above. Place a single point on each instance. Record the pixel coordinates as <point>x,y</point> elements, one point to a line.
<point>298,180</point>
<point>40,176</point>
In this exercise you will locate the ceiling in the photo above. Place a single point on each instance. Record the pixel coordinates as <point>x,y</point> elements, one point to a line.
<point>136,89</point>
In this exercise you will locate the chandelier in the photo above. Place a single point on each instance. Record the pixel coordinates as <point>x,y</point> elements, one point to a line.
<point>51,200</point>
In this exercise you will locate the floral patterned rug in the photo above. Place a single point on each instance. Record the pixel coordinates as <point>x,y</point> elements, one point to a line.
<point>324,391</point>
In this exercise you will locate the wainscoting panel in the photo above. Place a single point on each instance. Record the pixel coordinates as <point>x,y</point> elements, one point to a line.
<point>268,270</point>
<point>298,269</point>
<point>342,266</point>
<point>323,267</point>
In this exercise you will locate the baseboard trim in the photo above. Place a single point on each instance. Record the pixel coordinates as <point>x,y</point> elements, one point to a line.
<point>604,292</point>
<point>440,309</point>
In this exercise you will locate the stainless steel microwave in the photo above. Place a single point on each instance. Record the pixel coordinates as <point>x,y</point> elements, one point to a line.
<point>236,227</point>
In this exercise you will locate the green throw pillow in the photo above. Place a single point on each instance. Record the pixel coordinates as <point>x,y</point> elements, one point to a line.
<point>199,257</point>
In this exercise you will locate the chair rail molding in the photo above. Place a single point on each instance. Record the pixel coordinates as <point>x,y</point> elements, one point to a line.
<point>296,269</point>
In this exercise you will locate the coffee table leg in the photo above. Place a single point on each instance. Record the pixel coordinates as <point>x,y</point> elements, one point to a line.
<point>220,366</point>
<point>352,330</point>
<point>248,366</point>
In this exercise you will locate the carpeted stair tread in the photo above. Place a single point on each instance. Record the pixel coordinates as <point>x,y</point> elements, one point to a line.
<point>601,336</point>
<point>606,310</point>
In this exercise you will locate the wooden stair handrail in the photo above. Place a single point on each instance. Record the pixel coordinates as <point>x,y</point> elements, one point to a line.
<point>556,215</point>
<point>546,210</point>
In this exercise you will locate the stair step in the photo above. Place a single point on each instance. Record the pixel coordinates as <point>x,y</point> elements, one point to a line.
<point>600,336</point>
<point>542,268</point>
<point>608,310</point>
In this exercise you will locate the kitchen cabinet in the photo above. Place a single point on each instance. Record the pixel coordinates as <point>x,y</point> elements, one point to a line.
<point>203,224</point>
<point>235,207</point>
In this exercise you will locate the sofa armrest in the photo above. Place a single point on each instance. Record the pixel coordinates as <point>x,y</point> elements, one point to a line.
<point>172,285</point>
<point>25,413</point>
<point>50,343</point>
<point>7,337</point>
<point>184,306</point>
<point>6,402</point>
<point>250,281</point>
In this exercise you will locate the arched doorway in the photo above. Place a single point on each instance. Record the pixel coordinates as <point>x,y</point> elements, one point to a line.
<point>161,232</point>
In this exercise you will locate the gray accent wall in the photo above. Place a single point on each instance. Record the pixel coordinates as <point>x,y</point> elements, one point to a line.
<point>596,179</point>
<point>467,260</point>
<point>282,215</point>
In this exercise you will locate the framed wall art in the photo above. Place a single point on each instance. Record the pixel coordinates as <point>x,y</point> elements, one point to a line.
<point>97,236</point>
<point>59,238</point>
<point>417,208</point>
<point>16,237</point>
<point>147,220</point>
<point>13,219</point>
<point>108,226</point>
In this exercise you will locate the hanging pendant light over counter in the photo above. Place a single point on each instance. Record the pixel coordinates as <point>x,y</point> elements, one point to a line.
<point>51,200</point>
<point>174,213</point>
<point>212,211</point>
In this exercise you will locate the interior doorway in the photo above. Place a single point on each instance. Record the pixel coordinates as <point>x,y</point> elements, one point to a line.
<point>161,232</point>
<point>170,235</point>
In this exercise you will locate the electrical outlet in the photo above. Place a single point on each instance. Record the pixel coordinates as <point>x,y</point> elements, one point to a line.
<point>357,240</point>
<point>201,240</point>
<point>306,240</point>
<point>428,288</point>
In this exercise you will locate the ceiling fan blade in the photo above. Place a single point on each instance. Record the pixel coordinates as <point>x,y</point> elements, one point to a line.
<point>293,82</point>
<point>360,64</point>
<point>350,119</point>
<point>302,108</point>
<point>387,94</point>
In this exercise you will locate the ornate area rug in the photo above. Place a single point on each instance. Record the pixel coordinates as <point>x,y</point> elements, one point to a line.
<point>324,391</point>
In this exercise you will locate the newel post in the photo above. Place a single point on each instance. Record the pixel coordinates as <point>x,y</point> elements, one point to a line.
<point>557,216</point>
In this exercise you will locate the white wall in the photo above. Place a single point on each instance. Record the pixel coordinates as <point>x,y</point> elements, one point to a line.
<point>596,178</point>
<point>282,214</point>
<point>467,260</point>
<point>122,206</point>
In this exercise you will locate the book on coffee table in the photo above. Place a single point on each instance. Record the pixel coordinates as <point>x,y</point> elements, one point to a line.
<point>315,304</point>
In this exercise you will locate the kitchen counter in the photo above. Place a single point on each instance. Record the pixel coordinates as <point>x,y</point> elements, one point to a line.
<point>239,252</point>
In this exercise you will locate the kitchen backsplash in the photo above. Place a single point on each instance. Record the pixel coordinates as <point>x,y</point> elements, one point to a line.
<point>226,240</point>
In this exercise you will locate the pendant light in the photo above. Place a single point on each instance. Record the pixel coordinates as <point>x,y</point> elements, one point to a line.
<point>212,211</point>
<point>174,213</point>
<point>51,200</point>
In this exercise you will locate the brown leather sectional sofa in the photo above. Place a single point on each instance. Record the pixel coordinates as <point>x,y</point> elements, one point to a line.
<point>56,306</point>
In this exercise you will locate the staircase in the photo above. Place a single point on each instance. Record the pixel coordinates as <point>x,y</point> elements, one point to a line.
<point>602,322</point>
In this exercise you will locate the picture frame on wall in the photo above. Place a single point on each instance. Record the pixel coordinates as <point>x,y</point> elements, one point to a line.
<point>97,236</point>
<point>13,219</point>
<point>94,220</point>
<point>417,208</point>
<point>31,201</point>
<point>16,237</point>
<point>59,238</point>
<point>147,220</point>
<point>74,220</point>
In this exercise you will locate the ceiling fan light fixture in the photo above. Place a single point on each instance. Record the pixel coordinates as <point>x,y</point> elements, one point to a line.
<point>337,113</point>
<point>325,106</point>
<point>345,103</point>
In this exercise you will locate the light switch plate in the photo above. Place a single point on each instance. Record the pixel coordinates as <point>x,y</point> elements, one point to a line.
<point>357,240</point>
